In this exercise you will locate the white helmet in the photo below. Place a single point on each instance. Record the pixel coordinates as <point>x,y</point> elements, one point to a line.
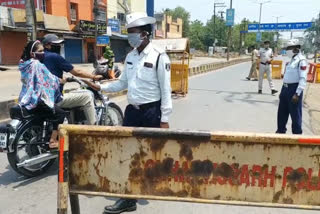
<point>138,20</point>
<point>293,43</point>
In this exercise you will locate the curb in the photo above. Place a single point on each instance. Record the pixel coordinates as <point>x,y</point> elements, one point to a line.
<point>6,105</point>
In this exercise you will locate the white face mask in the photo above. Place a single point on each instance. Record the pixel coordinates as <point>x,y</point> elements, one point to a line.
<point>135,40</point>
<point>290,54</point>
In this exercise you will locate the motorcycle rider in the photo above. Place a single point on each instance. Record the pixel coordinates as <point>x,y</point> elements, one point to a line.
<point>57,65</point>
<point>40,89</point>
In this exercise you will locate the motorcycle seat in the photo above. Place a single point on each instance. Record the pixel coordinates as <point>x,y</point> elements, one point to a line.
<point>18,113</point>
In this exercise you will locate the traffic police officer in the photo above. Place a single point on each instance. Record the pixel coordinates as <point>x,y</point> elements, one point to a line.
<point>266,57</point>
<point>291,97</point>
<point>147,77</point>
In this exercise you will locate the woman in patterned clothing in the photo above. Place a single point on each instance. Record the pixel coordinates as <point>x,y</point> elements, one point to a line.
<point>40,89</point>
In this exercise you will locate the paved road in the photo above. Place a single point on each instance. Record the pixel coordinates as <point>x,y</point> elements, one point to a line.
<point>220,100</point>
<point>10,84</point>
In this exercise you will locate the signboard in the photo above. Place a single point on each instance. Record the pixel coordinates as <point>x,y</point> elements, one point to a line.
<point>103,40</point>
<point>20,4</point>
<point>115,25</point>
<point>259,37</point>
<point>88,26</point>
<point>230,17</point>
<point>301,26</point>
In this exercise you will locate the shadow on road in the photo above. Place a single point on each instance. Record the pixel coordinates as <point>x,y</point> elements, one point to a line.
<point>231,96</point>
<point>11,177</point>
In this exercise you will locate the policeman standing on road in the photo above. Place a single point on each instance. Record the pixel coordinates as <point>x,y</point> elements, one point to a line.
<point>291,97</point>
<point>266,57</point>
<point>147,77</point>
<point>253,71</point>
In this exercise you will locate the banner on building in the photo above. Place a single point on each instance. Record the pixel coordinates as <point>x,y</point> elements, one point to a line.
<point>89,27</point>
<point>20,4</point>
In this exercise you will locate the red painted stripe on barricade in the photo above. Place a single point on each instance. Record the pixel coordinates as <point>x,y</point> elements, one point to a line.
<point>61,160</point>
<point>310,141</point>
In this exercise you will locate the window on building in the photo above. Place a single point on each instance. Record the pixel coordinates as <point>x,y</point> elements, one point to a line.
<point>178,28</point>
<point>44,6</point>
<point>73,13</point>
<point>168,27</point>
<point>102,16</point>
<point>122,18</point>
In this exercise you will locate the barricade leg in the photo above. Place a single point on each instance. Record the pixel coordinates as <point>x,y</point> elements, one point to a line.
<point>63,178</point>
<point>74,202</point>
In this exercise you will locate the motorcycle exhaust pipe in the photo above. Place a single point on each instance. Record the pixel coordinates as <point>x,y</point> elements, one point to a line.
<point>37,159</point>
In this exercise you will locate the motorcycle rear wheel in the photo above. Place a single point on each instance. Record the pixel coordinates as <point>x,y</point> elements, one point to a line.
<point>24,141</point>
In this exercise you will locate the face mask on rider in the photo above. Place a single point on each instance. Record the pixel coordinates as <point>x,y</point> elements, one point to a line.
<point>55,49</point>
<point>39,56</point>
<point>135,39</point>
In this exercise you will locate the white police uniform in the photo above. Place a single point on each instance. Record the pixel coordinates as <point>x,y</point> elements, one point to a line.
<point>294,83</point>
<point>145,83</point>
<point>265,67</point>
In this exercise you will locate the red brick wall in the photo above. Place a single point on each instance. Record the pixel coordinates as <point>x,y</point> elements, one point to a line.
<point>12,45</point>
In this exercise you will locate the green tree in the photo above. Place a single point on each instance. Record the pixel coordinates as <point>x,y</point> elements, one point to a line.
<point>180,12</point>
<point>312,38</point>
<point>196,35</point>
<point>220,32</point>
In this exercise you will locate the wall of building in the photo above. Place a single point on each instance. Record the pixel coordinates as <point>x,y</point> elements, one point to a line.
<point>12,45</point>
<point>112,9</point>
<point>174,27</point>
<point>138,6</point>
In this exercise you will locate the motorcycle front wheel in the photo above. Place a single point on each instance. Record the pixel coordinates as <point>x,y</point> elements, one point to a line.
<point>113,116</point>
<point>26,146</point>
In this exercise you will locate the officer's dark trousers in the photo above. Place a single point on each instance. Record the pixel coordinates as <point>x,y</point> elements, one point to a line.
<point>287,107</point>
<point>148,115</point>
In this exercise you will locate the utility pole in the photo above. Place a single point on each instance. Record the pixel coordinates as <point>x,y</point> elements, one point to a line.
<point>229,37</point>
<point>261,4</point>
<point>221,29</point>
<point>96,14</point>
<point>216,5</point>
<point>31,20</point>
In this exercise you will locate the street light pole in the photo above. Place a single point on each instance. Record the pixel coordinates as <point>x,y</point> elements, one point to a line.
<point>229,37</point>
<point>96,13</point>
<point>260,16</point>
<point>215,5</point>
<point>277,43</point>
<point>31,20</point>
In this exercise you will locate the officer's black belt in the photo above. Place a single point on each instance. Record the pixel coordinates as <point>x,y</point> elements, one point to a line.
<point>147,105</point>
<point>287,85</point>
<point>265,63</point>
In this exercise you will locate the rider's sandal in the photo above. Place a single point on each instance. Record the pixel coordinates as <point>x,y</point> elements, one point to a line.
<point>53,146</point>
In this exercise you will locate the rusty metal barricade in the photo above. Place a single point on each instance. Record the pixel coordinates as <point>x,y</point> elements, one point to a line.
<point>179,53</point>
<point>311,72</point>
<point>276,66</point>
<point>204,167</point>
<point>317,73</point>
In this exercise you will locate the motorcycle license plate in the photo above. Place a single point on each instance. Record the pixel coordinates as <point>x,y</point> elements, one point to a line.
<point>3,140</point>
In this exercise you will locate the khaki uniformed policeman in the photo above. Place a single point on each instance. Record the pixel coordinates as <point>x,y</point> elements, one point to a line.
<point>291,97</point>
<point>147,77</point>
<point>266,57</point>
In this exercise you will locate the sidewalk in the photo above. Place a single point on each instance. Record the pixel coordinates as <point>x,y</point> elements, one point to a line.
<point>313,102</point>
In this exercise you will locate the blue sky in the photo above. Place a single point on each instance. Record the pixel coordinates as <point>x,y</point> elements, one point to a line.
<point>290,10</point>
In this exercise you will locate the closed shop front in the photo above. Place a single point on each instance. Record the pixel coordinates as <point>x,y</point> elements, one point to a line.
<point>73,50</point>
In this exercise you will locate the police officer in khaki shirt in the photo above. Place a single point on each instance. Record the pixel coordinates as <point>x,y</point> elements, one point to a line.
<point>266,57</point>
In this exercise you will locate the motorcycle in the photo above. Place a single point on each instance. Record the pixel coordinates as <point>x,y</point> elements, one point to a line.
<point>26,138</point>
<point>102,68</point>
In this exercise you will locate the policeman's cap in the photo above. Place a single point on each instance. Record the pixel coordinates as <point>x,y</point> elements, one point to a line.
<point>267,42</point>
<point>139,20</point>
<point>293,47</point>
<point>51,39</point>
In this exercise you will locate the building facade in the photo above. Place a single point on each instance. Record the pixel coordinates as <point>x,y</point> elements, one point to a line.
<point>71,19</point>
<point>167,27</point>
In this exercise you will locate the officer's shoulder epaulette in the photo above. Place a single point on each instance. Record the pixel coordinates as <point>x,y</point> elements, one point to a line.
<point>159,50</point>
